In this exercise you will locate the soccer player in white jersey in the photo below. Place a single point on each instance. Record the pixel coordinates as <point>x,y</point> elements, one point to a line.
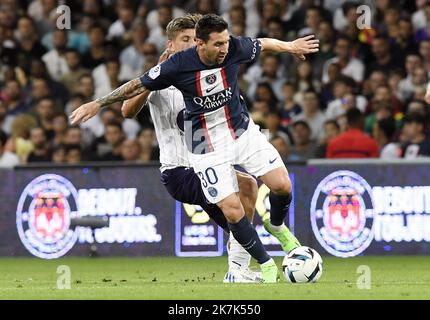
<point>219,133</point>
<point>166,107</point>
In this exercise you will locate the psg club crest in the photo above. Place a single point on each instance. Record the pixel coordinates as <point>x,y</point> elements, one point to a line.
<point>210,79</point>
<point>342,214</point>
<point>45,209</point>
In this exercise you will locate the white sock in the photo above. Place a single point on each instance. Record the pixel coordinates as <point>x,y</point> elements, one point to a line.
<point>277,228</point>
<point>238,257</point>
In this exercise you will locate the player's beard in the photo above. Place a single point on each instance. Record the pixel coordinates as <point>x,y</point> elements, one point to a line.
<point>221,58</point>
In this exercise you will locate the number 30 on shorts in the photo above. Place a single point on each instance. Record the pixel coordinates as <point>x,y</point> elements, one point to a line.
<point>210,175</point>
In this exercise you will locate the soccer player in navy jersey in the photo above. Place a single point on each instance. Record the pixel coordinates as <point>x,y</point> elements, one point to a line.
<point>218,131</point>
<point>167,108</point>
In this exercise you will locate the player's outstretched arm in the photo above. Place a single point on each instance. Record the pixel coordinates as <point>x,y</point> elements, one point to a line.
<point>131,107</point>
<point>298,47</point>
<point>90,109</point>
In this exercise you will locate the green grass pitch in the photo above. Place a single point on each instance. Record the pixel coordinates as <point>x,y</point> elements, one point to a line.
<point>406,277</point>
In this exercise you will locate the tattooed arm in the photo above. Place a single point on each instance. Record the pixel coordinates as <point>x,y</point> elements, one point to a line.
<point>126,91</point>
<point>131,107</point>
<point>157,78</point>
<point>87,111</point>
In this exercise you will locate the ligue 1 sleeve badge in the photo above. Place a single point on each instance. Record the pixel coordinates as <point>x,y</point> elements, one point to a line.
<point>342,214</point>
<point>43,216</point>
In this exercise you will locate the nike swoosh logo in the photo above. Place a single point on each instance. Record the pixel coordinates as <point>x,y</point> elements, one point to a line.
<point>209,90</point>
<point>271,161</point>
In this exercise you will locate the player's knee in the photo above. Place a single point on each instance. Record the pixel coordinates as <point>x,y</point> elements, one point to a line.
<point>283,186</point>
<point>248,187</point>
<point>232,209</point>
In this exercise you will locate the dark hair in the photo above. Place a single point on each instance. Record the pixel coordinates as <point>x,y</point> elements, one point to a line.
<point>62,115</point>
<point>49,98</point>
<point>344,38</point>
<point>273,98</point>
<point>146,127</point>
<point>315,8</point>
<point>275,112</point>
<point>405,19</point>
<point>98,26</point>
<point>63,31</point>
<point>13,80</point>
<point>275,20</point>
<point>26,17</point>
<point>73,50</point>
<point>348,5</point>
<point>71,147</point>
<point>44,79</point>
<point>75,126</point>
<point>113,59</point>
<point>277,136</point>
<point>312,91</point>
<point>354,117</point>
<point>348,81</point>
<point>271,55</point>
<point>3,138</point>
<point>166,6</point>
<point>129,7</point>
<point>59,147</point>
<point>301,123</point>
<point>414,117</point>
<point>380,37</point>
<point>86,75</point>
<point>210,23</point>
<point>114,123</point>
<point>239,8</point>
<point>388,127</point>
<point>290,84</point>
<point>333,122</point>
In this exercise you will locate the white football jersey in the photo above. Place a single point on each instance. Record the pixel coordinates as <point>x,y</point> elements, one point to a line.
<point>167,111</point>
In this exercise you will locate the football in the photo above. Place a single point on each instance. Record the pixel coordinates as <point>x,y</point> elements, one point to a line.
<point>302,264</point>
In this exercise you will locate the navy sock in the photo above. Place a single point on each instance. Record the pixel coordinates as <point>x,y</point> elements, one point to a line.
<point>279,206</point>
<point>246,235</point>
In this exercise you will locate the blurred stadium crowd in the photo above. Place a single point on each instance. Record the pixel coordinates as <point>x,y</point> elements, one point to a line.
<point>362,95</point>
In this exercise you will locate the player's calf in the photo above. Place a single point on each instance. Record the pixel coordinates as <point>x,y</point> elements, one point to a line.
<point>248,191</point>
<point>242,229</point>
<point>232,208</point>
<point>280,198</point>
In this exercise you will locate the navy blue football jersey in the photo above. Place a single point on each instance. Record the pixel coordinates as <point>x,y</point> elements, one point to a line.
<point>211,93</point>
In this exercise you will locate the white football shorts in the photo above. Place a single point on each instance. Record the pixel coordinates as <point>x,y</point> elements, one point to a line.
<point>252,151</point>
